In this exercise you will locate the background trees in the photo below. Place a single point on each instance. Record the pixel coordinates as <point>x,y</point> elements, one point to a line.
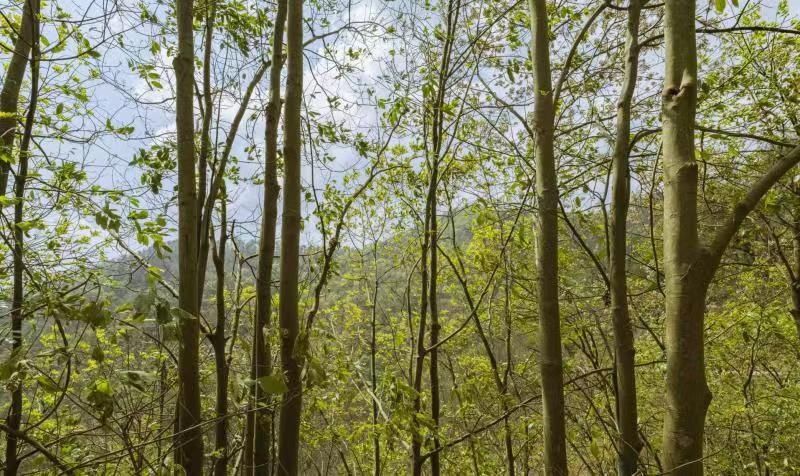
<point>472,192</point>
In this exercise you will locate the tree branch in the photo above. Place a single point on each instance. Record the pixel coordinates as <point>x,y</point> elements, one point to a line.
<point>746,205</point>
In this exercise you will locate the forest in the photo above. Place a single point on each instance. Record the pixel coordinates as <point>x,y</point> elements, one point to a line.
<point>425,237</point>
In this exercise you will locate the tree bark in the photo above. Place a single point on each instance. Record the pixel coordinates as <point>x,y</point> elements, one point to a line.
<point>795,271</point>
<point>14,418</point>
<point>259,419</point>
<point>9,96</point>
<point>629,445</point>
<point>189,436</point>
<point>433,302</point>
<point>551,364</point>
<point>373,367</point>
<point>687,395</point>
<point>419,365</point>
<point>689,266</point>
<point>291,404</point>
<point>218,340</point>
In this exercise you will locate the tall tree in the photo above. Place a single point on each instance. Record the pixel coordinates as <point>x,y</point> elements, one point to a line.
<point>218,340</point>
<point>550,359</point>
<point>292,403</point>
<point>189,435</point>
<point>14,419</point>
<point>689,264</point>
<point>258,439</point>
<point>629,443</point>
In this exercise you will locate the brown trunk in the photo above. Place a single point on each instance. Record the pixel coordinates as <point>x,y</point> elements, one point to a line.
<point>218,340</point>
<point>258,440</point>
<point>551,365</point>
<point>291,404</point>
<point>373,354</point>
<point>189,436</point>
<point>629,445</point>
<point>14,419</point>
<point>419,364</point>
<point>9,96</point>
<point>435,326</point>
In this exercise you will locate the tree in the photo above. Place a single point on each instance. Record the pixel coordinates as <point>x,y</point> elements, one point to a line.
<point>629,444</point>
<point>550,359</point>
<point>291,358</point>
<point>18,305</point>
<point>258,439</point>
<point>689,264</point>
<point>188,434</point>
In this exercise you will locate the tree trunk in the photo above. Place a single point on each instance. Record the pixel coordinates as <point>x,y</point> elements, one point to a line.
<point>687,393</point>
<point>9,96</point>
<point>419,364</point>
<point>435,326</point>
<point>795,271</point>
<point>218,340</point>
<point>14,419</point>
<point>551,365</point>
<point>259,419</point>
<point>291,404</point>
<point>629,445</point>
<point>189,436</point>
<point>373,357</point>
<point>690,267</point>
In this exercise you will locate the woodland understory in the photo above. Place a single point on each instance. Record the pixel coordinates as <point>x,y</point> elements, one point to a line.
<point>321,237</point>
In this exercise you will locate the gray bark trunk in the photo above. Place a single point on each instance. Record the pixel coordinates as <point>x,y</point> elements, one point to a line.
<point>689,266</point>
<point>629,445</point>
<point>551,364</point>
<point>687,393</point>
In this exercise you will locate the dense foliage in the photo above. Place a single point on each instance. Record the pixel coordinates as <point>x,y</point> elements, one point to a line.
<point>415,135</point>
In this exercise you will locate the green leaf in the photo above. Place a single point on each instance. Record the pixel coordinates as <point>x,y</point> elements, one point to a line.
<point>95,314</point>
<point>97,354</point>
<point>101,397</point>
<point>719,5</point>
<point>163,316</point>
<point>137,379</point>
<point>179,313</point>
<point>47,384</point>
<point>273,384</point>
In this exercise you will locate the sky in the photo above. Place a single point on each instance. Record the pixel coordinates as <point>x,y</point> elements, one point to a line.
<point>119,96</point>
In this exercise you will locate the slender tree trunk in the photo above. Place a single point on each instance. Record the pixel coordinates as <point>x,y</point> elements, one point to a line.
<point>551,365</point>
<point>373,357</point>
<point>687,393</point>
<point>509,444</point>
<point>9,96</point>
<point>218,340</point>
<point>419,364</point>
<point>435,325</point>
<point>291,404</point>
<point>629,445</point>
<point>14,419</point>
<point>795,272</point>
<point>189,436</point>
<point>205,137</point>
<point>259,418</point>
